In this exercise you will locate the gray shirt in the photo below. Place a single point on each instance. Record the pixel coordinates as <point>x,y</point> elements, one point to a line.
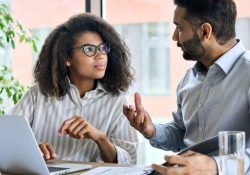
<point>210,102</point>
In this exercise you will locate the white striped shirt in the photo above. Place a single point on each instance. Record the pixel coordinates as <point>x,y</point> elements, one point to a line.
<point>98,107</point>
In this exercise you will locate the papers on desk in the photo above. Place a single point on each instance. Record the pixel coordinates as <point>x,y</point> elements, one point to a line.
<point>135,170</point>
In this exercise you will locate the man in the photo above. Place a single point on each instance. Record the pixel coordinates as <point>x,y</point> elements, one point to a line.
<point>214,95</point>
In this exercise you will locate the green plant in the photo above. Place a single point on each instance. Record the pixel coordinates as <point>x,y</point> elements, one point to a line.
<point>11,28</point>
<point>9,87</point>
<point>10,31</point>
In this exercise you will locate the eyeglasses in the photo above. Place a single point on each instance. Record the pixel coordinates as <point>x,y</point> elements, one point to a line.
<point>90,49</point>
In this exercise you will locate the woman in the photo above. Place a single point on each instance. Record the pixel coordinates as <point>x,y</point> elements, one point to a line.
<point>75,105</point>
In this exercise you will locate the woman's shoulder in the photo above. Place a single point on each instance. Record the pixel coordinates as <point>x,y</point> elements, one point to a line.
<point>121,98</point>
<point>120,95</point>
<point>34,88</point>
<point>35,91</point>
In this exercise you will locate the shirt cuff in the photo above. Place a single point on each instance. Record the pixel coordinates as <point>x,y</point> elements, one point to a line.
<point>159,134</point>
<point>123,156</point>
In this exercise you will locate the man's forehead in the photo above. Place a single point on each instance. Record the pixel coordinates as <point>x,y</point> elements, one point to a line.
<point>179,14</point>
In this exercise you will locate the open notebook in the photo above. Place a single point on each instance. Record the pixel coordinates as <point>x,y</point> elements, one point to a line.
<point>20,153</point>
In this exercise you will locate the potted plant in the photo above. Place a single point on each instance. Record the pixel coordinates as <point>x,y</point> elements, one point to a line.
<point>11,31</point>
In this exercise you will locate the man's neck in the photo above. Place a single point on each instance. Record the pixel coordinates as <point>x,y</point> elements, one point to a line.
<point>216,51</point>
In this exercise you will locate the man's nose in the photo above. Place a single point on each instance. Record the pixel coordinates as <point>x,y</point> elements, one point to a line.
<point>175,36</point>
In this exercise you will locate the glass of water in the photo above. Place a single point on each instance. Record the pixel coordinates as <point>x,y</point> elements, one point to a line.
<point>231,151</point>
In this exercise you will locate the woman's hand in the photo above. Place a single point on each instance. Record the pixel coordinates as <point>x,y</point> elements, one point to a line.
<point>47,151</point>
<point>79,128</point>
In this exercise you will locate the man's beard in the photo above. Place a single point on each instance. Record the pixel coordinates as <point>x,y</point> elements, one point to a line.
<point>192,49</point>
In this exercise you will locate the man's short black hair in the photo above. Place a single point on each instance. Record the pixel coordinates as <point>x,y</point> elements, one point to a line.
<point>221,14</point>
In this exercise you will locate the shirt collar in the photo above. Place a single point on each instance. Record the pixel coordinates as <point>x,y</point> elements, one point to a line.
<point>99,87</point>
<point>226,61</point>
<point>199,67</point>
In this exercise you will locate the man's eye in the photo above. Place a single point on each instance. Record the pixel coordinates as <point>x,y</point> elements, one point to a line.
<point>178,28</point>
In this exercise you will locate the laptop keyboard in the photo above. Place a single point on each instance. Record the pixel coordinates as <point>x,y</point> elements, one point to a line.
<point>55,169</point>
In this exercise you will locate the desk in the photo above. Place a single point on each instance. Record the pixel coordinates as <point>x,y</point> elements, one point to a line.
<point>94,165</point>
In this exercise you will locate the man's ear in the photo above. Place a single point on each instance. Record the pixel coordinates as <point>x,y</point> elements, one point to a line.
<point>68,64</point>
<point>206,30</point>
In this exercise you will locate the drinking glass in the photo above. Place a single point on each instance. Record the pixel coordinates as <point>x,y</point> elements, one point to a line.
<point>231,151</point>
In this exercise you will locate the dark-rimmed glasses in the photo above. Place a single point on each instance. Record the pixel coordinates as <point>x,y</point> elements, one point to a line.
<point>90,49</point>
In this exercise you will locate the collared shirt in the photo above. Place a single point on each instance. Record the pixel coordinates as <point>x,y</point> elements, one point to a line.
<point>209,103</point>
<point>101,109</point>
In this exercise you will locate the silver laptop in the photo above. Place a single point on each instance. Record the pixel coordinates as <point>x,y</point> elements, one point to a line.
<point>20,153</point>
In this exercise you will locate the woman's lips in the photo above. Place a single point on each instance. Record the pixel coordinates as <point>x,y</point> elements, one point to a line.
<point>100,66</point>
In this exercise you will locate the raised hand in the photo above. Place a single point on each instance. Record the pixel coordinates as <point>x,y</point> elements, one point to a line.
<point>139,117</point>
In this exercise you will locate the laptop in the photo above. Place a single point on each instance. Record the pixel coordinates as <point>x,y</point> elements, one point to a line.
<point>20,153</point>
<point>208,147</point>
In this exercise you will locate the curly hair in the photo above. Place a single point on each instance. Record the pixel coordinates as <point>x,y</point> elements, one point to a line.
<point>50,71</point>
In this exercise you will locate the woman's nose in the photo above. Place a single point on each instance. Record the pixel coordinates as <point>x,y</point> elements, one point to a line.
<point>98,55</point>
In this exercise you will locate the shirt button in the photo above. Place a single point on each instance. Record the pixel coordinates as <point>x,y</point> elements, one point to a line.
<point>208,82</point>
<point>201,129</point>
<point>200,105</point>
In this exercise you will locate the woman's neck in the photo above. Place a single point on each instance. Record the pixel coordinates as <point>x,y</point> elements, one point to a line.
<point>83,85</point>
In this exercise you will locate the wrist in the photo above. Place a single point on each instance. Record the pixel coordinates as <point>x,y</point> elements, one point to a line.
<point>100,138</point>
<point>151,132</point>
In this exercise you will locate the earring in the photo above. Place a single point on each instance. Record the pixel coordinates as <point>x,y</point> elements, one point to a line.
<point>68,63</point>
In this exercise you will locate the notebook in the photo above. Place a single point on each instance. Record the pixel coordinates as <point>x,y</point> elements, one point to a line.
<point>209,147</point>
<point>20,153</point>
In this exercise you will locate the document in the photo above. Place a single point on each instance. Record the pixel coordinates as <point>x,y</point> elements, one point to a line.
<point>134,170</point>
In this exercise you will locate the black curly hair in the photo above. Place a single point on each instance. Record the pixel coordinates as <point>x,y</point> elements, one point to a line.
<point>50,71</point>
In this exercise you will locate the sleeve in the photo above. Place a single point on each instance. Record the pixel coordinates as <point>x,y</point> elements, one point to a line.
<point>125,140</point>
<point>170,136</point>
<point>123,136</point>
<point>248,98</point>
<point>26,105</point>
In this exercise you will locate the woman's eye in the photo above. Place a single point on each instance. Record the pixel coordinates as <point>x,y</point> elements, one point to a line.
<point>88,49</point>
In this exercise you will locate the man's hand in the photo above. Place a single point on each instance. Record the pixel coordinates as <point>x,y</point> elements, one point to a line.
<point>139,117</point>
<point>79,128</point>
<point>188,163</point>
<point>47,151</point>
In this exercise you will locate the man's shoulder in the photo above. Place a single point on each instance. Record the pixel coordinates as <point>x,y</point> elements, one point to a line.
<point>246,55</point>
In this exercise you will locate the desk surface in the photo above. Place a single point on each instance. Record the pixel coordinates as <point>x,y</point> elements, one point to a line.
<point>94,165</point>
